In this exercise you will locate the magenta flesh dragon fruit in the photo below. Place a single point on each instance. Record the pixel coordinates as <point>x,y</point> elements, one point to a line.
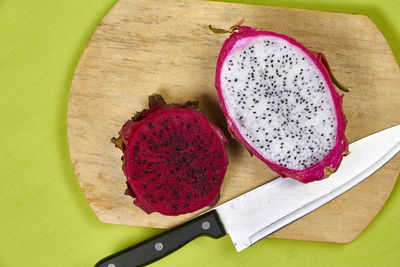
<point>279,101</point>
<point>174,158</point>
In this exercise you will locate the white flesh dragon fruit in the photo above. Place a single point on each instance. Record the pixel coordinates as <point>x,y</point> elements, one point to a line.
<point>279,101</point>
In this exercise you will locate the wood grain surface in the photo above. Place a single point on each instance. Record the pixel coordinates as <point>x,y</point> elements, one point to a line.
<point>143,47</point>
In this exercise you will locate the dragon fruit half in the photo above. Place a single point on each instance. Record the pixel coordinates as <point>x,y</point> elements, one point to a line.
<point>174,158</point>
<point>279,101</point>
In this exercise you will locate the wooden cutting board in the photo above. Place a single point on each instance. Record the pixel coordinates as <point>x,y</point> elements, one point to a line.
<point>143,47</point>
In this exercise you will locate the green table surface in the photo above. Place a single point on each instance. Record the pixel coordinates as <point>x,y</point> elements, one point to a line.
<point>44,217</point>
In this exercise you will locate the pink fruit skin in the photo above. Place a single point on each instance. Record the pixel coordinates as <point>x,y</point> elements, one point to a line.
<point>334,158</point>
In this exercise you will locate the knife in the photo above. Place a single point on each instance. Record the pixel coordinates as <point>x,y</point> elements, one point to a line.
<point>267,208</point>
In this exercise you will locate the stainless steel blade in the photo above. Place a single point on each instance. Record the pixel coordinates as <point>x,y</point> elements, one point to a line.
<point>260,212</point>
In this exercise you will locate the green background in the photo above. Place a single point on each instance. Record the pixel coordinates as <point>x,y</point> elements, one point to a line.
<point>44,217</point>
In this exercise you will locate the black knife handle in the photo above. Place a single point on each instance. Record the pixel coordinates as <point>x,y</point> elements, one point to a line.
<point>159,246</point>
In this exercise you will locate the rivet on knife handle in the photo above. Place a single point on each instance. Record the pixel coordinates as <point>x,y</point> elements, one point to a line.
<point>165,243</point>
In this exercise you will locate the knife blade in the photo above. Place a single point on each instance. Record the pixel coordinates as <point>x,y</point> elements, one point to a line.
<point>256,214</point>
